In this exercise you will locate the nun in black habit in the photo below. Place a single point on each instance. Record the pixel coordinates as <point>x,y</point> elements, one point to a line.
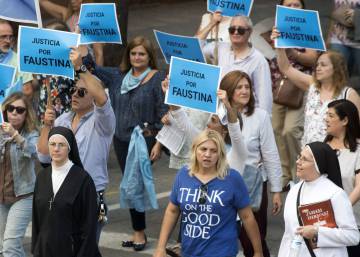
<point>64,208</point>
<point>320,180</point>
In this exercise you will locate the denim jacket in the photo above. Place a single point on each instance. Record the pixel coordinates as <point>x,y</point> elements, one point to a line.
<point>23,163</point>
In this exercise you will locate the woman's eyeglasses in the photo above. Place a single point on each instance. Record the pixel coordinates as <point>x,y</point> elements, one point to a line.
<point>239,30</point>
<point>18,109</point>
<point>81,92</point>
<point>203,193</point>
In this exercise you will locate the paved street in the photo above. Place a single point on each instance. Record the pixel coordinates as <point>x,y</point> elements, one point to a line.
<point>180,18</point>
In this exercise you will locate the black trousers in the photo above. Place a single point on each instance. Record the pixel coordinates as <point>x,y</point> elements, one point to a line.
<point>261,219</point>
<point>121,151</point>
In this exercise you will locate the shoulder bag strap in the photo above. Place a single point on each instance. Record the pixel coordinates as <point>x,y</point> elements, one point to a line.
<point>300,222</point>
<point>346,93</point>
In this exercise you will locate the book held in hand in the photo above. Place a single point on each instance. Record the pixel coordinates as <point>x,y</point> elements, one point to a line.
<point>320,214</point>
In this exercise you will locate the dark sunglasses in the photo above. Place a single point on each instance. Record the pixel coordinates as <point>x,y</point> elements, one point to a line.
<point>19,109</point>
<point>240,30</point>
<point>81,92</point>
<point>203,193</point>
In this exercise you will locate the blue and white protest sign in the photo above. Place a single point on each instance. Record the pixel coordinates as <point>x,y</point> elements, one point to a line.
<point>7,75</point>
<point>230,8</point>
<point>179,46</point>
<point>27,11</point>
<point>298,28</point>
<point>98,24</point>
<point>193,85</point>
<point>45,51</point>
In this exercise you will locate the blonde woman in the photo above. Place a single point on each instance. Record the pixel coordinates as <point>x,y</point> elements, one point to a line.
<point>208,195</point>
<point>18,138</point>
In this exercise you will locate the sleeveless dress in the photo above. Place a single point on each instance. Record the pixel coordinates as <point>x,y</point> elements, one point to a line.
<point>315,114</point>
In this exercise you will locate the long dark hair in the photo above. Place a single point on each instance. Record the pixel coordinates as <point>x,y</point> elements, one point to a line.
<point>346,109</point>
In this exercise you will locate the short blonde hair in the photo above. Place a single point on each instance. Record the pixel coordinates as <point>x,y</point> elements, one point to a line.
<point>221,165</point>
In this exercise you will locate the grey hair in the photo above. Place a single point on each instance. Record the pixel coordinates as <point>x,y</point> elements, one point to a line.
<point>245,18</point>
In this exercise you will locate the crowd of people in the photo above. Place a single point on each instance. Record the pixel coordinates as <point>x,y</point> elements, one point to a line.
<point>228,163</point>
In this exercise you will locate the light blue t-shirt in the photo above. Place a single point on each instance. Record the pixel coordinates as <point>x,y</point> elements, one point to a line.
<point>209,229</point>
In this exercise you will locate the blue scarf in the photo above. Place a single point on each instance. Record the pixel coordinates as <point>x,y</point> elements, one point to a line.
<point>5,57</point>
<point>130,82</point>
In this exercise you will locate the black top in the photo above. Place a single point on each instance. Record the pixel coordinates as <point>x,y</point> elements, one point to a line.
<point>65,225</point>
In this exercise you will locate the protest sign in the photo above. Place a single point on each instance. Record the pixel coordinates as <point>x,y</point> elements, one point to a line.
<point>230,8</point>
<point>193,85</point>
<point>45,51</point>
<point>298,28</point>
<point>26,11</point>
<point>179,46</point>
<point>7,75</point>
<point>98,24</point>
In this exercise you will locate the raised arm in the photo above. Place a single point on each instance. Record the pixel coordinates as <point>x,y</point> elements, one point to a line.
<point>300,79</point>
<point>214,21</point>
<point>238,154</point>
<point>56,10</point>
<point>42,145</point>
<point>93,85</point>
<point>179,116</point>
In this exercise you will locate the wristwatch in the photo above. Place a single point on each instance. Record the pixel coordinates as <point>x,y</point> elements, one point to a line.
<point>82,69</point>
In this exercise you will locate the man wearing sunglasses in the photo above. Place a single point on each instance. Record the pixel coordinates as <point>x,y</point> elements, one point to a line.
<point>8,56</point>
<point>239,54</point>
<point>92,120</point>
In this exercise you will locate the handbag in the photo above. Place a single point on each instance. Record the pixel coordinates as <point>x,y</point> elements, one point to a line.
<point>339,15</point>
<point>287,93</point>
<point>254,182</point>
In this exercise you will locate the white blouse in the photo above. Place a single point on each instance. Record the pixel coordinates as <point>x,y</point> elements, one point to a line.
<point>315,114</point>
<point>260,142</point>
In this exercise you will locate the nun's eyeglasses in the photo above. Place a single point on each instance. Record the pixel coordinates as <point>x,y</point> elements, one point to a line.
<point>203,193</point>
<point>60,145</point>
